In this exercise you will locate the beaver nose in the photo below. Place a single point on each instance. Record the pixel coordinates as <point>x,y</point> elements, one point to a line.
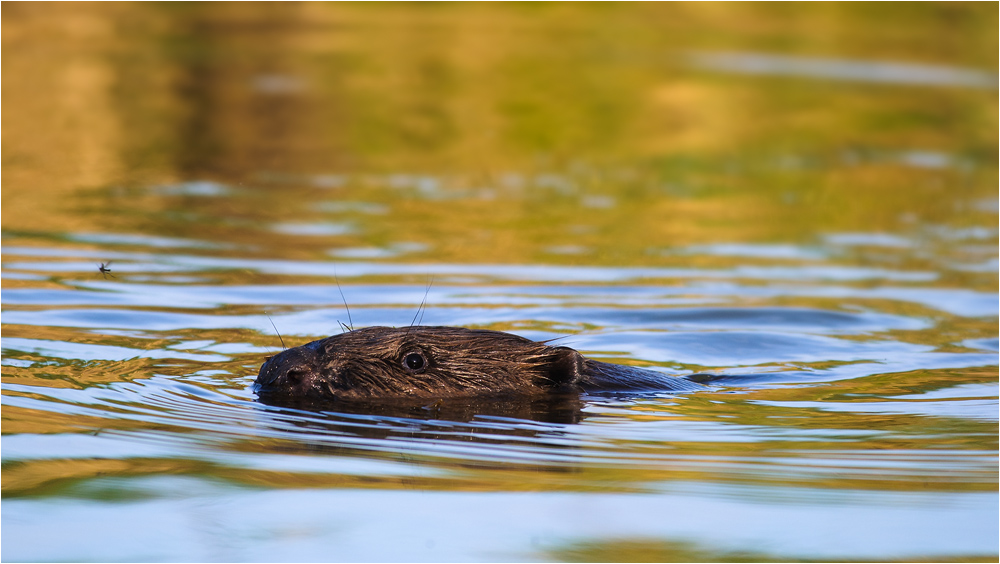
<point>295,375</point>
<point>289,369</point>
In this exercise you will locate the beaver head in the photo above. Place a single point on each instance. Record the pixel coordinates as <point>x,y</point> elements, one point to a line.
<point>419,362</point>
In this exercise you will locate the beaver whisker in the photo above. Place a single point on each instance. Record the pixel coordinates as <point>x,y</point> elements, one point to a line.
<point>350,322</point>
<point>430,282</point>
<point>328,385</point>
<point>283,347</point>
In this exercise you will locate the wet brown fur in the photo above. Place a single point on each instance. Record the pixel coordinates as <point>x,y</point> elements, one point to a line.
<point>370,363</point>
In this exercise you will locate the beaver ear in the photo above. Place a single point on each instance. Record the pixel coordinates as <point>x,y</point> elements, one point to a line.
<point>564,368</point>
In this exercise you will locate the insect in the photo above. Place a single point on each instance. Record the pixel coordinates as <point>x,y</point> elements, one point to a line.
<point>105,269</point>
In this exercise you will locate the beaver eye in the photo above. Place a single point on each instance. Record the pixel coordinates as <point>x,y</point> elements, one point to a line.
<point>414,361</point>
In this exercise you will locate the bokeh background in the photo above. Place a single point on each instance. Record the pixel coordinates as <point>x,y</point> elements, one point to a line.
<point>499,130</point>
<point>798,198</point>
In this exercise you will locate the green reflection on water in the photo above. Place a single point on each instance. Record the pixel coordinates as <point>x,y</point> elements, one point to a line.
<point>583,129</point>
<point>678,551</point>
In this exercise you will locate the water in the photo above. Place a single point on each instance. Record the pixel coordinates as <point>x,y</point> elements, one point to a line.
<point>795,200</point>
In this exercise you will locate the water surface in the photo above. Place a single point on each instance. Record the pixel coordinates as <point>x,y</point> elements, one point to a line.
<point>797,200</point>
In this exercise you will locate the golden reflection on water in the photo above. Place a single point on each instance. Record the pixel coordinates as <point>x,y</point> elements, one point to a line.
<point>614,137</point>
<point>643,550</point>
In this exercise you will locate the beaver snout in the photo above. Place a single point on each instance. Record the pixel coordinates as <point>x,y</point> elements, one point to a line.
<point>294,371</point>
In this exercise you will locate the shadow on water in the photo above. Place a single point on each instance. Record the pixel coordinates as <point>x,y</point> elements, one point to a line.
<point>552,408</point>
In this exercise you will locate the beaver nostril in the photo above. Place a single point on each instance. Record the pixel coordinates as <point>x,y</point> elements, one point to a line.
<point>295,375</point>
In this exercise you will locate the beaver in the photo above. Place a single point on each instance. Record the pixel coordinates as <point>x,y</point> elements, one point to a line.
<point>425,362</point>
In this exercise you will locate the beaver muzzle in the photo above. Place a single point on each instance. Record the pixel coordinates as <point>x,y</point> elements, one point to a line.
<point>294,372</point>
